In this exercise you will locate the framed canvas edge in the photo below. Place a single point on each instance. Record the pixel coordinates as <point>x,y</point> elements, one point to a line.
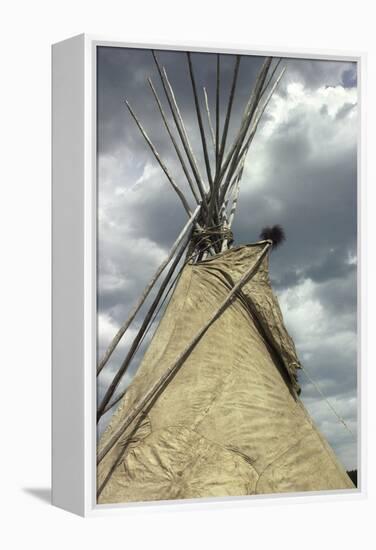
<point>68,252</point>
<point>90,507</point>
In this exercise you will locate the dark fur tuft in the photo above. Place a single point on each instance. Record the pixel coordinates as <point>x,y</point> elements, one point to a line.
<point>275,234</point>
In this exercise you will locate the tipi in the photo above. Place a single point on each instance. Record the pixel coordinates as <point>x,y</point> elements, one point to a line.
<point>214,408</point>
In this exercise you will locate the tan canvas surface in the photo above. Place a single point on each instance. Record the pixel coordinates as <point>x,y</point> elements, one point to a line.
<point>230,422</point>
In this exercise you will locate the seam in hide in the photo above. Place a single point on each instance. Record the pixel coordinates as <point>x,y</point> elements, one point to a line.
<point>279,456</point>
<point>217,394</point>
<point>175,325</point>
<point>181,427</point>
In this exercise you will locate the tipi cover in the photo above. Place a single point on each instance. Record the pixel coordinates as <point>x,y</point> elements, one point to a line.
<point>230,422</point>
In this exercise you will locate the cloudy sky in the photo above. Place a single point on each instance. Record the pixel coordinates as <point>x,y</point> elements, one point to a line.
<point>300,172</point>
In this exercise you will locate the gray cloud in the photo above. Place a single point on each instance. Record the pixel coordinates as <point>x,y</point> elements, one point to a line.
<point>301,174</point>
<point>349,77</point>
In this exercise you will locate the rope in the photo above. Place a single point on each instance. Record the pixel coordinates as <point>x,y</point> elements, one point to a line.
<point>204,235</point>
<point>327,401</point>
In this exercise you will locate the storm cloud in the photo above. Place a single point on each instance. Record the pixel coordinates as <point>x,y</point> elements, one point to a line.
<point>301,172</point>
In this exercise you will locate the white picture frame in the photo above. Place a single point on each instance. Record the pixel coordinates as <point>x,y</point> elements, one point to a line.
<point>74,275</point>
